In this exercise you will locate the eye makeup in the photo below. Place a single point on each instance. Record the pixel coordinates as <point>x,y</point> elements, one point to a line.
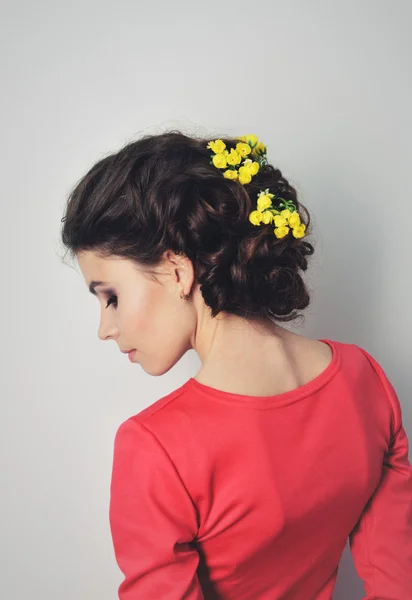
<point>112,301</point>
<point>110,297</point>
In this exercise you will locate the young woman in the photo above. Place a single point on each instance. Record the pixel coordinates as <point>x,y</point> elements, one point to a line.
<point>246,482</point>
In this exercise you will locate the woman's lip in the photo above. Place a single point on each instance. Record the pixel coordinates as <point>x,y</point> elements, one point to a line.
<point>131,354</point>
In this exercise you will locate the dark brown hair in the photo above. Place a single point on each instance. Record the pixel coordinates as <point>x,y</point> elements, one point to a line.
<point>161,193</point>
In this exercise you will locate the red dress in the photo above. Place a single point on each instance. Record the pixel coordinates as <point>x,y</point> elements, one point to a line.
<point>234,497</point>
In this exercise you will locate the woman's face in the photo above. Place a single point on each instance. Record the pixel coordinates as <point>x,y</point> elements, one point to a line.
<point>140,314</point>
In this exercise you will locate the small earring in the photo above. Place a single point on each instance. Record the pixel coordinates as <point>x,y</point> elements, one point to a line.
<point>184,296</point>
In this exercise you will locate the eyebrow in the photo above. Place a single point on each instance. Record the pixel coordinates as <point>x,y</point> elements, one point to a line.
<point>93,285</point>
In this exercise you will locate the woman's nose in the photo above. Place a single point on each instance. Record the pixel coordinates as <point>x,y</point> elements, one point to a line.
<point>107,330</point>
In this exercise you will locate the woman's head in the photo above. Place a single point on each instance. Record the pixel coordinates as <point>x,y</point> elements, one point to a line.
<point>159,219</point>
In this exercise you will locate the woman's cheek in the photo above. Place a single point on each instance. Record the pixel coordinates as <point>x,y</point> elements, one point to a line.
<point>137,314</point>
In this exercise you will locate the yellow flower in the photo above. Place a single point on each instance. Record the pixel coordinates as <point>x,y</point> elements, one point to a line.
<point>281,232</point>
<point>220,161</point>
<point>244,175</point>
<point>246,165</point>
<point>299,232</point>
<point>230,174</point>
<point>255,217</point>
<point>267,217</point>
<point>259,149</point>
<point>244,178</point>
<point>286,213</point>
<point>266,193</point>
<point>217,146</point>
<point>251,139</point>
<point>247,170</point>
<point>280,221</point>
<point>294,220</point>
<point>251,165</point>
<point>254,168</point>
<point>243,149</point>
<point>234,157</point>
<point>263,202</point>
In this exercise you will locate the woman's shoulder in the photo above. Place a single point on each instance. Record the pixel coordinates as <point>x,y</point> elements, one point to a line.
<point>314,356</point>
<point>311,357</point>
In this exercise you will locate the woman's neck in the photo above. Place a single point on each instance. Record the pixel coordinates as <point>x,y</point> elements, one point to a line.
<point>242,356</point>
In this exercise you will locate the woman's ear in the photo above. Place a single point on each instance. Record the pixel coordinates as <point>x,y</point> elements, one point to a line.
<point>182,268</point>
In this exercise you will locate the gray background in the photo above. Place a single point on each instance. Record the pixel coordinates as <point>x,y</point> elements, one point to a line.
<point>325,84</point>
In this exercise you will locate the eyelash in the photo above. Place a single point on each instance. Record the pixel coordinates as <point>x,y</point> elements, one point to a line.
<point>112,300</point>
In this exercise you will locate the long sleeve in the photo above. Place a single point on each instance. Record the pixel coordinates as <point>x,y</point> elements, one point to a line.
<point>152,520</point>
<point>381,542</point>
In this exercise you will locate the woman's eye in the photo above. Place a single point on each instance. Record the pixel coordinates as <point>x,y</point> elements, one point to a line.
<point>112,300</point>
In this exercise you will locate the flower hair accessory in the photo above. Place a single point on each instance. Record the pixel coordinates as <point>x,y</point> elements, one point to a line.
<point>285,220</point>
<point>242,162</point>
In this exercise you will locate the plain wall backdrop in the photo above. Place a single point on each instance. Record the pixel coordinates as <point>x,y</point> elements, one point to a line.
<point>327,85</point>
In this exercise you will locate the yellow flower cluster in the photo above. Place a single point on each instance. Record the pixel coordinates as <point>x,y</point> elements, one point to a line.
<point>236,163</point>
<point>284,220</point>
